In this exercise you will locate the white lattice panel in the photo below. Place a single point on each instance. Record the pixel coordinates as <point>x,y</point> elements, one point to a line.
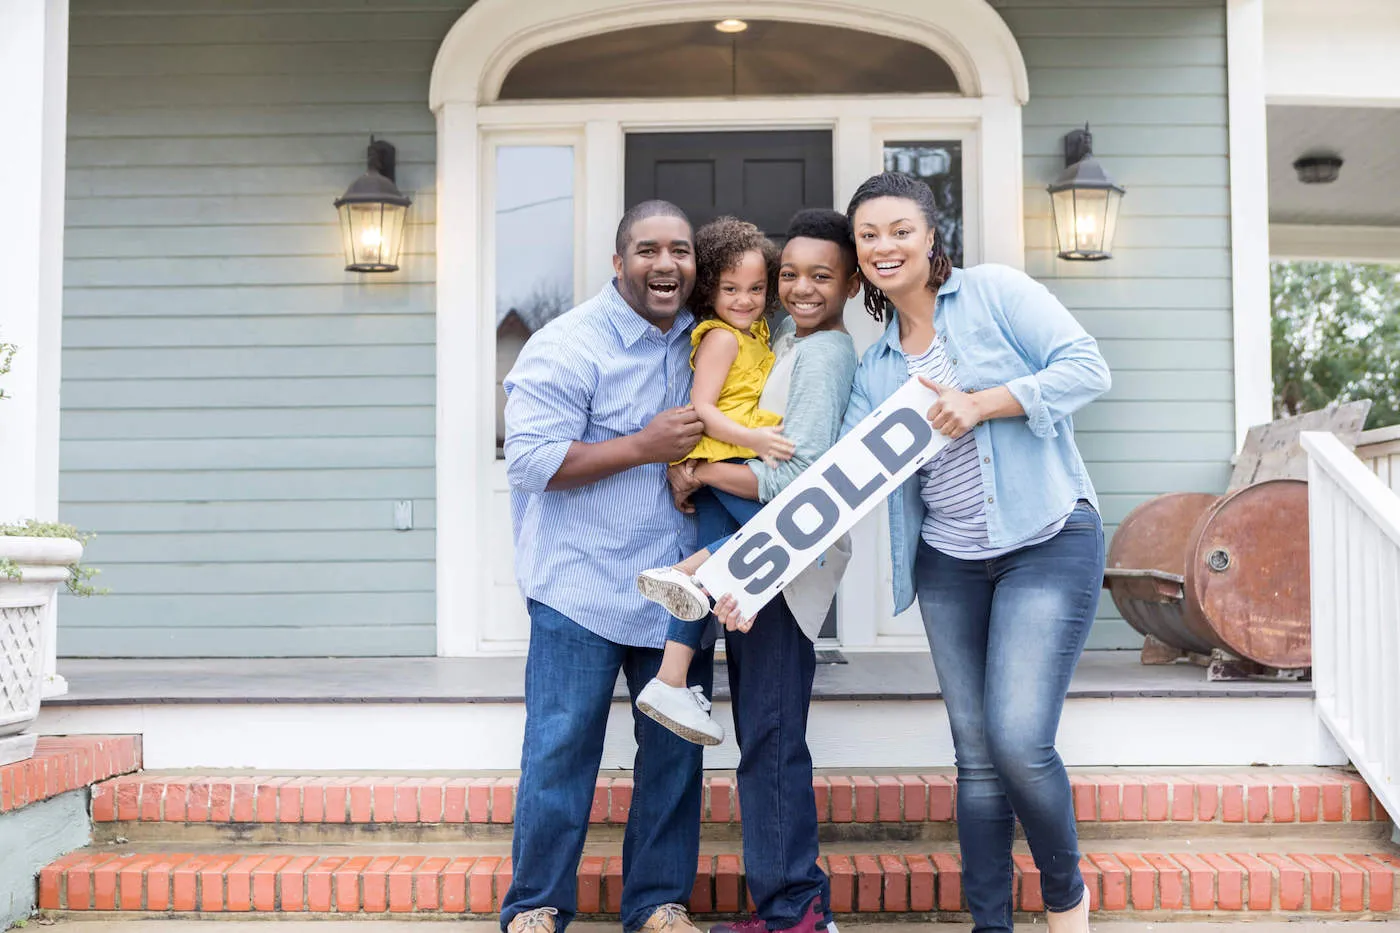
<point>21,661</point>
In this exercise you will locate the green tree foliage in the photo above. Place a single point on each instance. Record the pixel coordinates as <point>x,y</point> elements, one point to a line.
<point>1336,337</point>
<point>7,353</point>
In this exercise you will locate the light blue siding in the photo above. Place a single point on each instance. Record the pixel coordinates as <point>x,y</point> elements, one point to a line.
<point>239,415</point>
<point>1149,77</point>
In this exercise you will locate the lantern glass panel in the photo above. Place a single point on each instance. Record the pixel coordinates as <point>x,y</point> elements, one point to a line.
<point>534,237</point>
<point>1086,220</point>
<point>372,235</point>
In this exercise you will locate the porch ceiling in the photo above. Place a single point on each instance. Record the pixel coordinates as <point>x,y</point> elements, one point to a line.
<point>1368,191</point>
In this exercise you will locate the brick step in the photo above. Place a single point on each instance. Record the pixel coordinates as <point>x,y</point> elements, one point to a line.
<point>1165,882</point>
<point>1200,800</point>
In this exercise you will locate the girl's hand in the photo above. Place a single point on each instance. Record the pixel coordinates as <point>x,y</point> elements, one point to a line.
<point>955,413</point>
<point>727,612</point>
<point>772,446</point>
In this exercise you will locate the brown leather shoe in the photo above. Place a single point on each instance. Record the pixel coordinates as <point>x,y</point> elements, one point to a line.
<point>539,920</point>
<point>668,918</point>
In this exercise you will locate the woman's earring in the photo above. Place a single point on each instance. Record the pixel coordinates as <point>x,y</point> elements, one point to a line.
<point>930,254</point>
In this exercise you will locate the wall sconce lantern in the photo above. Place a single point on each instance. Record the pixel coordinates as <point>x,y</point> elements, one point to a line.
<point>372,212</point>
<point>1085,202</point>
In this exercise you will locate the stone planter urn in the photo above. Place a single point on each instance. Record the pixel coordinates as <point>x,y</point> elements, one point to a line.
<point>25,599</point>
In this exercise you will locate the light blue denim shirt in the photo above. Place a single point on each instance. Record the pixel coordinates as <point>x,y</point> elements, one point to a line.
<point>1000,327</point>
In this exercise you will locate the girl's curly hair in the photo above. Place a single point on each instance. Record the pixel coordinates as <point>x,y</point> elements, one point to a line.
<point>719,246</point>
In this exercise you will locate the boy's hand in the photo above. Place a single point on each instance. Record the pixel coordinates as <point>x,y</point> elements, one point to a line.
<point>681,477</point>
<point>772,446</point>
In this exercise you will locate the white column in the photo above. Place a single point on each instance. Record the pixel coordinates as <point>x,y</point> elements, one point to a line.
<point>33,111</point>
<point>1249,215</point>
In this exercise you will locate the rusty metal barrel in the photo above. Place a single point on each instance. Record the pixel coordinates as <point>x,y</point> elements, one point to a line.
<point>1199,572</point>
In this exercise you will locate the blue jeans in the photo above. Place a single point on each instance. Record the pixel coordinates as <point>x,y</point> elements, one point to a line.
<point>718,514</point>
<point>1006,635</point>
<point>771,668</point>
<point>569,679</point>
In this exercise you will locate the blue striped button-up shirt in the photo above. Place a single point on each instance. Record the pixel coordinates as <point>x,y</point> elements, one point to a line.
<point>595,373</point>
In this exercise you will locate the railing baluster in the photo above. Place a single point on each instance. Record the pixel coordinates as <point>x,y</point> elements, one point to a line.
<point>1354,535</point>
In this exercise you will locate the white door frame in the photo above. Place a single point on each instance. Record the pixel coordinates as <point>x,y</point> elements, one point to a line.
<point>491,37</point>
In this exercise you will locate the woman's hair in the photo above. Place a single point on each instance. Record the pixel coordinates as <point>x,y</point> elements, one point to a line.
<point>818,223</point>
<point>719,246</point>
<point>901,185</point>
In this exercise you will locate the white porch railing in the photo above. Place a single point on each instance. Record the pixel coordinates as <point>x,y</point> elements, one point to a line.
<point>1354,528</point>
<point>1380,450</point>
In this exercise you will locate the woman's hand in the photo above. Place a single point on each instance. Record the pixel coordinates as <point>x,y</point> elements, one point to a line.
<point>955,413</point>
<point>681,477</point>
<point>727,612</point>
<point>771,445</point>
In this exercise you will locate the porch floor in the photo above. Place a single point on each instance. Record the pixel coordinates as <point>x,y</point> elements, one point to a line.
<point>859,676</point>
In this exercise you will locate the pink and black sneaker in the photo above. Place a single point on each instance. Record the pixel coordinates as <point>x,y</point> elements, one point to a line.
<point>811,922</point>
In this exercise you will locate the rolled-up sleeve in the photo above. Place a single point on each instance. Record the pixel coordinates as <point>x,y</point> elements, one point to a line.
<point>1071,372</point>
<point>549,392</point>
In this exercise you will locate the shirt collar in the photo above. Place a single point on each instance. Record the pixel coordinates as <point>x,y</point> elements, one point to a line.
<point>631,326</point>
<point>953,283</point>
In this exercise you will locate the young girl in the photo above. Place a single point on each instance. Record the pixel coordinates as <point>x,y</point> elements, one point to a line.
<point>736,268</point>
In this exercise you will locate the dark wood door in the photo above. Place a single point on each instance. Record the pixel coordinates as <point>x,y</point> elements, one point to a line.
<point>761,177</point>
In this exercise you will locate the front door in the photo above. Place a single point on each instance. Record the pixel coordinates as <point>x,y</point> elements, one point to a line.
<point>761,177</point>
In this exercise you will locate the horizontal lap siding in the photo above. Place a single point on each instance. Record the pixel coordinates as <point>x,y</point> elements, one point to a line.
<point>1149,77</point>
<point>239,414</point>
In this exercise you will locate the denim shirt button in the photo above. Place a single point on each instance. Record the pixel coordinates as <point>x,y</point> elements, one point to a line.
<point>986,459</point>
<point>990,499</point>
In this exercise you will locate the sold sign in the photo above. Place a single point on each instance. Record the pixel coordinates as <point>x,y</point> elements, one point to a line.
<point>826,501</point>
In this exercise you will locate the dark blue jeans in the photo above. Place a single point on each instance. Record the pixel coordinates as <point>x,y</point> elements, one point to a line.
<point>1006,635</point>
<point>718,514</point>
<point>771,668</point>
<point>569,679</point>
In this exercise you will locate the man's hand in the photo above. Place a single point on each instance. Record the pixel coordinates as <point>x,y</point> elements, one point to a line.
<point>955,413</point>
<point>681,476</point>
<point>669,436</point>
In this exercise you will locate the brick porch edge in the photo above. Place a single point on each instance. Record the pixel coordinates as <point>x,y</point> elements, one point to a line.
<point>370,884</point>
<point>1247,797</point>
<point>63,763</point>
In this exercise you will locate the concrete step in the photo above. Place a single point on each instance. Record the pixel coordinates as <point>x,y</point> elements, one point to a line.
<point>197,810</point>
<point>1251,880</point>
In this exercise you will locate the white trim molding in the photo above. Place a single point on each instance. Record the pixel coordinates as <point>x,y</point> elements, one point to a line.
<point>1334,242</point>
<point>494,35</point>
<point>478,610</point>
<point>1249,215</point>
<point>1338,54</point>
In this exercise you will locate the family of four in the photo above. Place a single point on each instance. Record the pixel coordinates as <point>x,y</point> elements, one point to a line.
<point>660,415</point>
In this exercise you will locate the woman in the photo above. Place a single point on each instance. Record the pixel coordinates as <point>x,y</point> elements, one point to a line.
<point>999,534</point>
<point>771,660</point>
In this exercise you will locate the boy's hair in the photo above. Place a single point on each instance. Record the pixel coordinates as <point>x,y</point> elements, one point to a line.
<point>644,210</point>
<point>719,245</point>
<point>820,224</point>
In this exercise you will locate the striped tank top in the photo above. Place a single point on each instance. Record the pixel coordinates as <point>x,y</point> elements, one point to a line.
<point>950,484</point>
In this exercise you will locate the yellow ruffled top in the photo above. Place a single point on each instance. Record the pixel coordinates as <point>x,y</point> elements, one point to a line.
<point>738,398</point>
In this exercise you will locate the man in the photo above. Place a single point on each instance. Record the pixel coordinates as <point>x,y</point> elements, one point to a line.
<point>596,409</point>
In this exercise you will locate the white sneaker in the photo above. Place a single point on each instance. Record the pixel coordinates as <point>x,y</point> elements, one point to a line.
<point>683,710</point>
<point>675,590</point>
